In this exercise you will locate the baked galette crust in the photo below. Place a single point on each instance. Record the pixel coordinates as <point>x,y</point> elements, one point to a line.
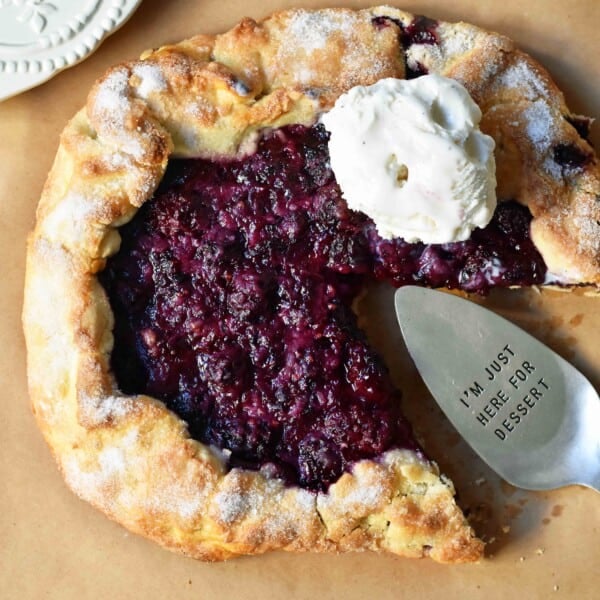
<point>211,97</point>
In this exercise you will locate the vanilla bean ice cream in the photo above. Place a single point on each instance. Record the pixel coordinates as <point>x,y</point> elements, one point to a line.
<point>409,154</point>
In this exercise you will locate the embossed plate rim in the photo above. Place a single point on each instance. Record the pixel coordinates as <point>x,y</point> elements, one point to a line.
<point>41,38</point>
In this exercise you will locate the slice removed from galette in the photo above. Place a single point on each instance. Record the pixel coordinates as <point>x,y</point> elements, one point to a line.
<point>194,360</point>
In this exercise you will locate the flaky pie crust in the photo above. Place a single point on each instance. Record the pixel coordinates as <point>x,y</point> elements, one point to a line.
<point>211,96</point>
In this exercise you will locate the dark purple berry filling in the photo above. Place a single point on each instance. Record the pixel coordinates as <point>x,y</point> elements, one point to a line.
<point>571,157</point>
<point>421,30</point>
<point>581,124</point>
<point>232,293</point>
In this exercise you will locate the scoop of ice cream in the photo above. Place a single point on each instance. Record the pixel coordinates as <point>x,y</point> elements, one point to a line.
<point>409,153</point>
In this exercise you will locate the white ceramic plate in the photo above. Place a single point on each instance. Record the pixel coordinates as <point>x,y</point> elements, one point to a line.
<point>39,38</point>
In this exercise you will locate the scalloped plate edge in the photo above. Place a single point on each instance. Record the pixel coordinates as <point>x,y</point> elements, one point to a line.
<point>41,38</point>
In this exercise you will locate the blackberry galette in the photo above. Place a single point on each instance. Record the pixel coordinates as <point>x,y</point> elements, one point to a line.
<point>194,359</point>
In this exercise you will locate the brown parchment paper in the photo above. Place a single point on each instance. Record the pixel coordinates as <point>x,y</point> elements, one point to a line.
<point>52,545</point>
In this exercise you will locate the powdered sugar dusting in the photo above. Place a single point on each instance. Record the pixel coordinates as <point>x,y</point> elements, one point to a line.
<point>375,68</point>
<point>127,475</point>
<point>343,38</point>
<point>304,75</point>
<point>240,499</point>
<point>368,494</point>
<point>231,505</point>
<point>312,29</point>
<point>587,221</point>
<point>456,41</point>
<point>306,500</point>
<point>112,461</point>
<point>92,483</point>
<point>118,161</point>
<point>113,458</point>
<point>538,124</point>
<point>151,79</point>
<point>539,115</point>
<point>85,483</point>
<point>72,215</point>
<point>278,508</point>
<point>112,93</point>
<point>200,109</point>
<point>97,410</point>
<point>177,497</point>
<point>521,76</point>
<point>112,105</point>
<point>552,168</point>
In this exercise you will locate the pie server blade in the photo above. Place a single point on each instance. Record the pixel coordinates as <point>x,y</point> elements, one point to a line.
<point>530,415</point>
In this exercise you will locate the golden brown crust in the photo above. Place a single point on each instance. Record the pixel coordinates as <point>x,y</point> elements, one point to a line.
<point>211,96</point>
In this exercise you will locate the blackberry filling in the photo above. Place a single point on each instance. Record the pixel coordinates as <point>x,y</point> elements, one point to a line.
<point>571,157</point>
<point>232,291</point>
<point>421,30</point>
<point>581,124</point>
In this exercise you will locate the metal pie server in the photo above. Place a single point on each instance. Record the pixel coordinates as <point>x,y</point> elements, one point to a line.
<point>529,414</point>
